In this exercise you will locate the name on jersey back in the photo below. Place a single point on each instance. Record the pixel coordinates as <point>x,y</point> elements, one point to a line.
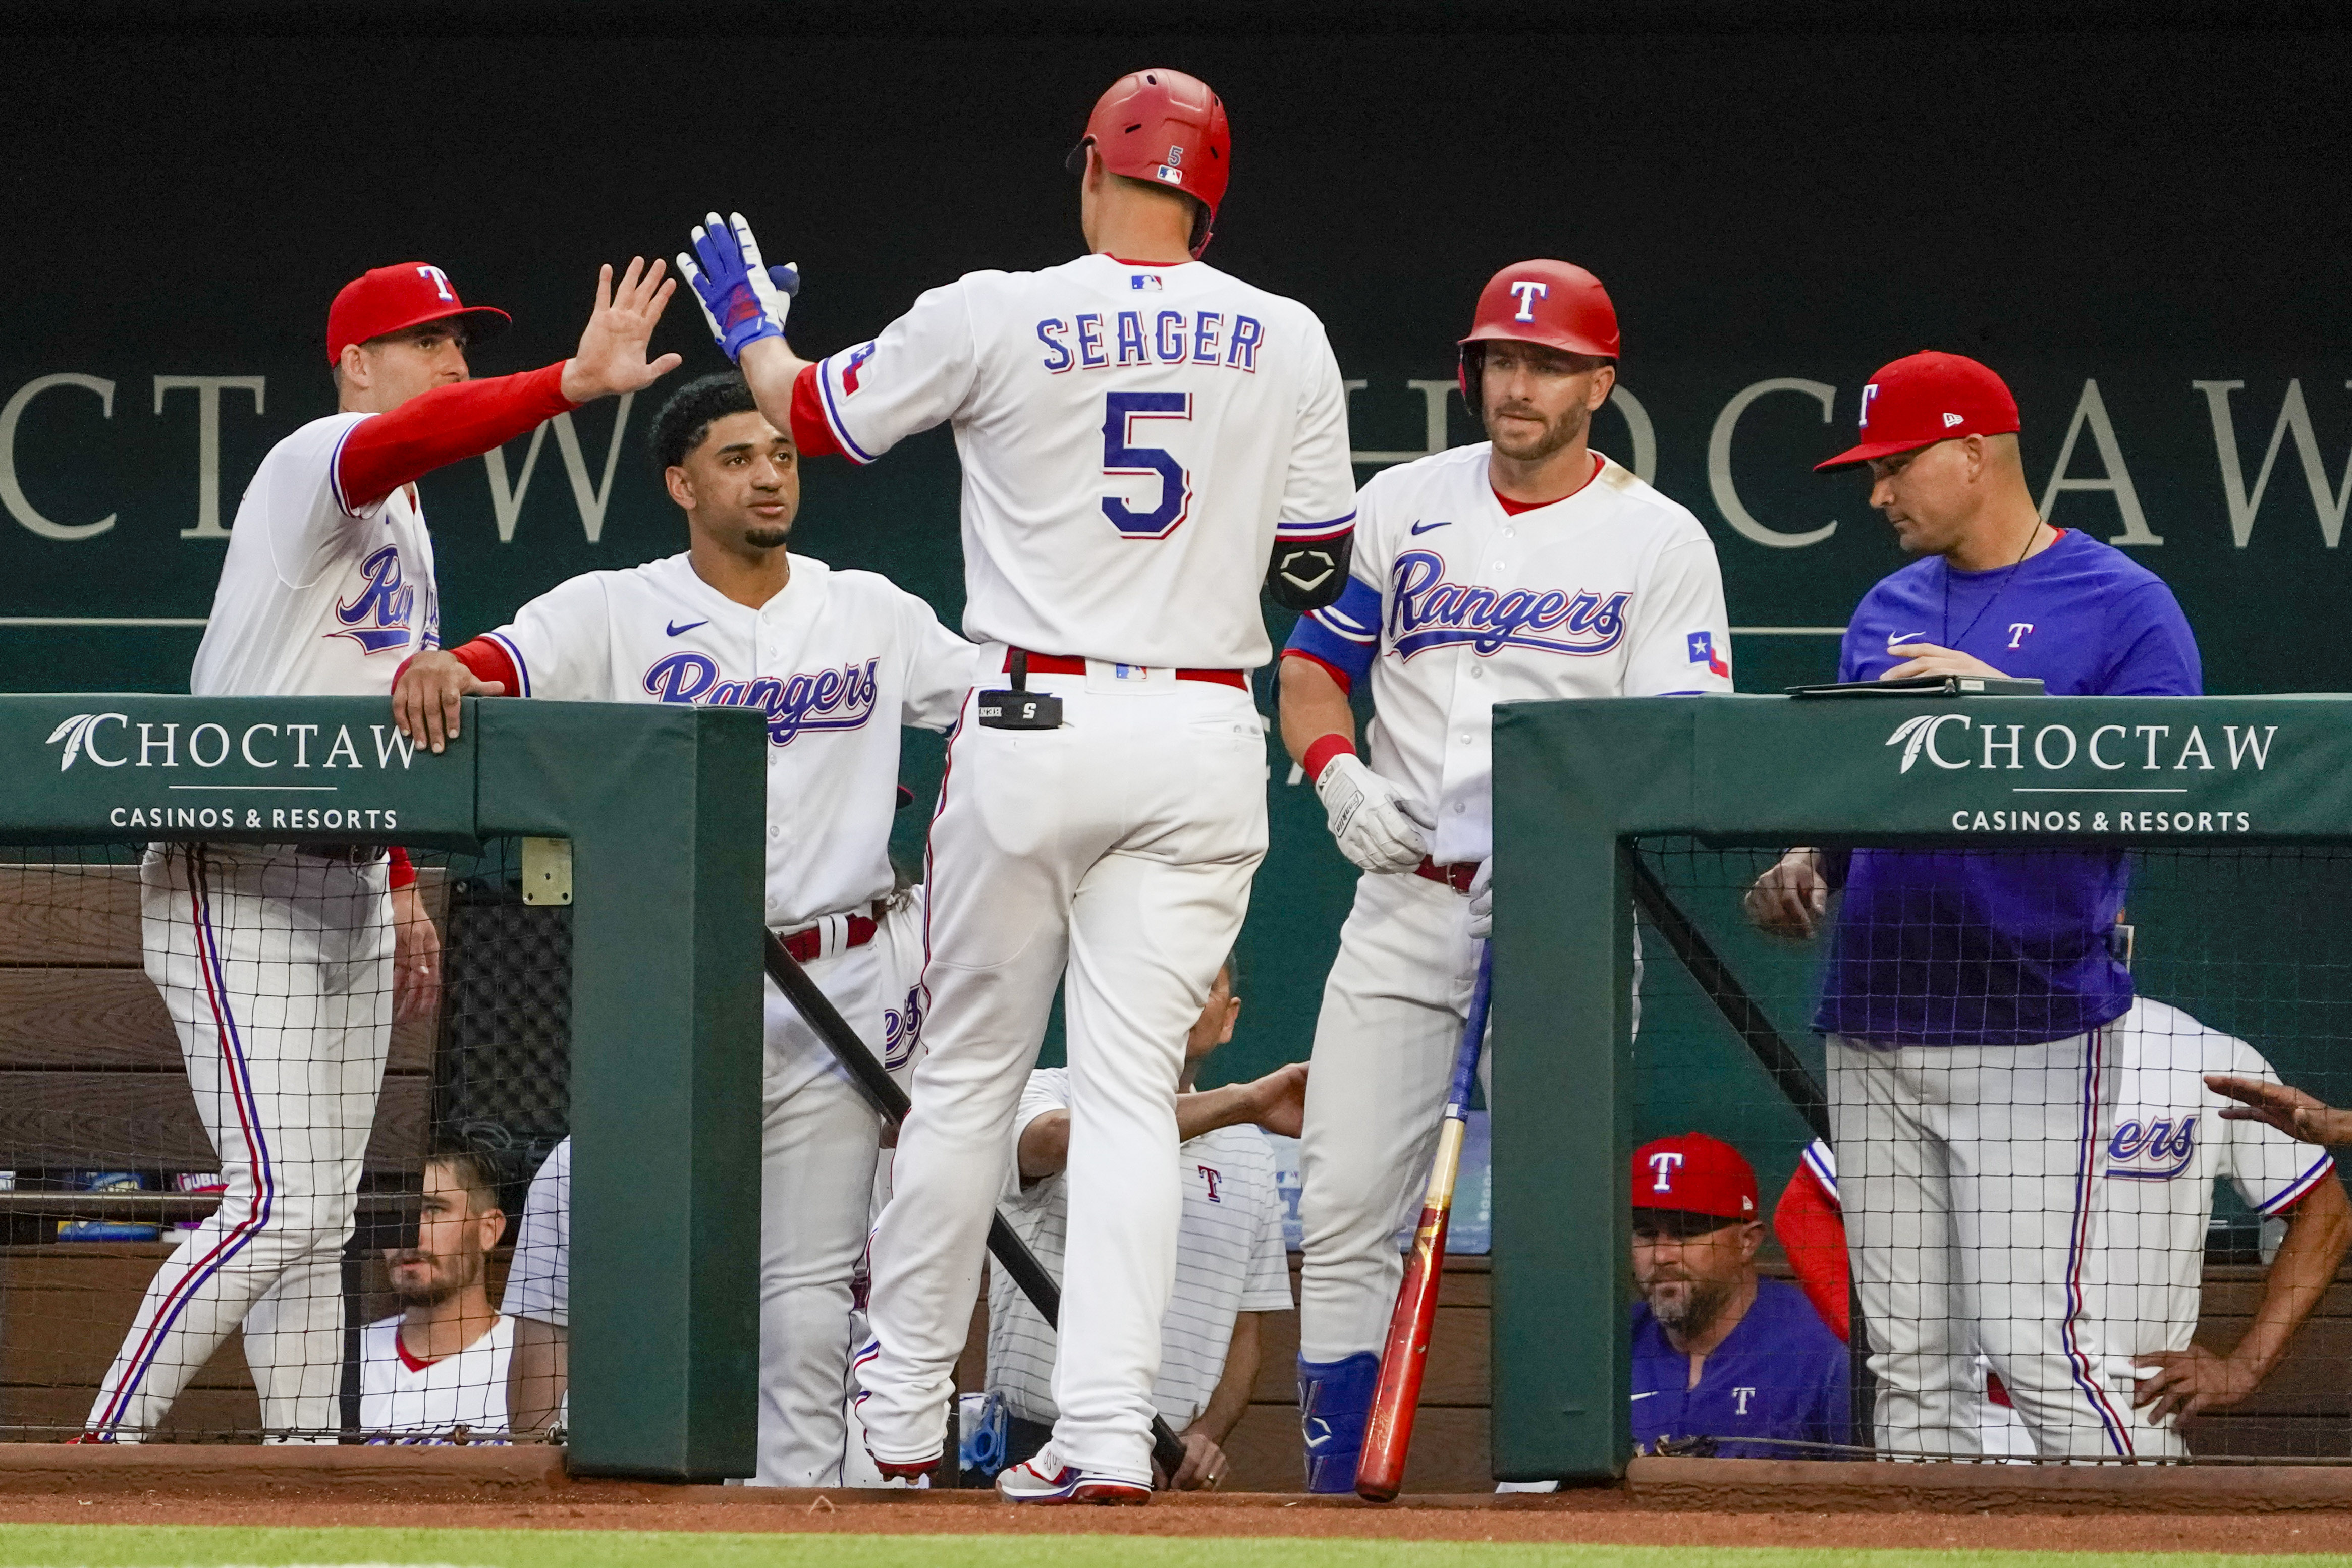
<point>1101,340</point>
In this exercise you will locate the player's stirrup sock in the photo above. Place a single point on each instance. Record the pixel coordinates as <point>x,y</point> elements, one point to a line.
<point>1335,1401</point>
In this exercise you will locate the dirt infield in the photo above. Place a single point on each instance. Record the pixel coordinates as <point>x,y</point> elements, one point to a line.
<point>1676,1503</point>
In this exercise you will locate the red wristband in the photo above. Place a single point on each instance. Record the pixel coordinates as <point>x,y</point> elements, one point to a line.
<point>403,870</point>
<point>1320,752</point>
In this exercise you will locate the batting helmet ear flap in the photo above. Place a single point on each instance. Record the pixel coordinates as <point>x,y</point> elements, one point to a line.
<point>1470,362</point>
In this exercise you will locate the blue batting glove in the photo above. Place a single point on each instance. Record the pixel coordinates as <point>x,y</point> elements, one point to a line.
<point>743,300</point>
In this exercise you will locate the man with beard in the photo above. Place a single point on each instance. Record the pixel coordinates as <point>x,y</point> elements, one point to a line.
<point>439,1370</point>
<point>1726,1364</point>
<point>836,661</point>
<point>1528,566</point>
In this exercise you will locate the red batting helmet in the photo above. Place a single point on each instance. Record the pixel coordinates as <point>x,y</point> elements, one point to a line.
<point>1168,128</point>
<point>1555,303</point>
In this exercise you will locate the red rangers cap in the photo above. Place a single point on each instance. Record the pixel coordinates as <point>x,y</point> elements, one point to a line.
<point>1693,1174</point>
<point>394,298</point>
<point>1925,398</point>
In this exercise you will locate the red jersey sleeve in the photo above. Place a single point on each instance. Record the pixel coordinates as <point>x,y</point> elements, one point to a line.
<point>1812,1233</point>
<point>442,426</point>
<point>810,433</point>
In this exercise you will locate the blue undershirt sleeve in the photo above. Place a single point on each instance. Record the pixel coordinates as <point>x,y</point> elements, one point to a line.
<point>1344,634</point>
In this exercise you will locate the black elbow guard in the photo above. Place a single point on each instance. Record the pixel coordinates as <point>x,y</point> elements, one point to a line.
<point>1309,576</point>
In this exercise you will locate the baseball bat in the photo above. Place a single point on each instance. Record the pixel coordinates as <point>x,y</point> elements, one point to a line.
<point>882,1091</point>
<point>1380,1467</point>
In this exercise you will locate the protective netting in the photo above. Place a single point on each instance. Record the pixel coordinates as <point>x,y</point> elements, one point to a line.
<point>1974,1097</point>
<point>264,1139</point>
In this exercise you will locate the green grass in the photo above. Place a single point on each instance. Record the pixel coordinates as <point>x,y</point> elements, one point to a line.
<point>141,1546</point>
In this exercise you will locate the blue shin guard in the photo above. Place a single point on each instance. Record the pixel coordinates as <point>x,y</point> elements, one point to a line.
<point>1335,1403</point>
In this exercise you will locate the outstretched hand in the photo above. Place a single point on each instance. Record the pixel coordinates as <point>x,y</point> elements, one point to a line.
<point>611,357</point>
<point>2291,1111</point>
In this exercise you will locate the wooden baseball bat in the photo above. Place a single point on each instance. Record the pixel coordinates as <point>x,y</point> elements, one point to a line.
<point>882,1091</point>
<point>1388,1436</point>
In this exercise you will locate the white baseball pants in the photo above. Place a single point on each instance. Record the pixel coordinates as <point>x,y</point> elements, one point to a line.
<point>1385,1041</point>
<point>1112,857</point>
<point>818,1146</point>
<point>1970,1176</point>
<point>277,971</point>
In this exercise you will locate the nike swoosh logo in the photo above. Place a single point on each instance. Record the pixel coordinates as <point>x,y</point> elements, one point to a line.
<point>1896,637</point>
<point>676,630</point>
<point>1424,527</point>
<point>1652,1394</point>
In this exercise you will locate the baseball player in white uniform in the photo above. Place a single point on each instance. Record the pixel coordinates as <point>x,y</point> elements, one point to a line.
<point>436,1369</point>
<point>838,660</point>
<point>278,962</point>
<point>1143,439</point>
<point>1527,566</point>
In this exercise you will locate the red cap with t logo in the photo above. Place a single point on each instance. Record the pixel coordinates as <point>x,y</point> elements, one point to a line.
<point>1925,398</point>
<point>1693,1174</point>
<point>393,299</point>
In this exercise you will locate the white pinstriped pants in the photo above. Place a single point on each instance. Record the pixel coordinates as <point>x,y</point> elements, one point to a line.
<point>277,971</point>
<point>1970,1178</point>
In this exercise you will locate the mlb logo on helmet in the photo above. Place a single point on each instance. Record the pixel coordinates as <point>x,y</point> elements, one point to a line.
<point>1691,1173</point>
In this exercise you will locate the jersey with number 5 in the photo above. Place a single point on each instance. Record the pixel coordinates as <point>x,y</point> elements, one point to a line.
<point>1132,437</point>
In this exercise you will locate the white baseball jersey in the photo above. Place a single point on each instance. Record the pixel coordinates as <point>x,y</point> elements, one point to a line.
<point>539,1280</point>
<point>1229,1260</point>
<point>838,660</point>
<point>2167,1146</point>
<point>316,598</point>
<point>1131,437</point>
<point>401,1395</point>
<point>1613,592</point>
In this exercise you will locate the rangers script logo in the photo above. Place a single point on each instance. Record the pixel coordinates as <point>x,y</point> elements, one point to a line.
<point>1427,611</point>
<point>822,700</point>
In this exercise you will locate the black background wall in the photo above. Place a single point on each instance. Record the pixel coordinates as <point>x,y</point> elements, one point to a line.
<point>2143,229</point>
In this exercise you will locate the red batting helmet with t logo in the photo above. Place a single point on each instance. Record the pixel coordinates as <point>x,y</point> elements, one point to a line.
<point>1167,129</point>
<point>1555,303</point>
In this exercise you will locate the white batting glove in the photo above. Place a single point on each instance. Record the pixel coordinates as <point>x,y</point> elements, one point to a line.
<point>1378,827</point>
<point>1481,901</point>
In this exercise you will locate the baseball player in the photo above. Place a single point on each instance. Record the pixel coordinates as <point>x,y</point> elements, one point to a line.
<point>1143,439</point>
<point>437,1369</point>
<point>1525,566</point>
<point>283,965</point>
<point>1968,997</point>
<point>838,660</point>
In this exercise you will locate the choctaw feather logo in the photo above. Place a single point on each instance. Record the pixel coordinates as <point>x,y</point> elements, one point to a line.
<point>1915,730</point>
<point>73,731</point>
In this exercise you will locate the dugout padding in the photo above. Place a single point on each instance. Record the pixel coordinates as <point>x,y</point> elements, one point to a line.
<point>663,809</point>
<point>1576,782</point>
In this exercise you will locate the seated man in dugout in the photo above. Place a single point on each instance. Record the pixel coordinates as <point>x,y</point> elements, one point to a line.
<point>436,1372</point>
<point>1726,1364</point>
<point>1231,1269</point>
